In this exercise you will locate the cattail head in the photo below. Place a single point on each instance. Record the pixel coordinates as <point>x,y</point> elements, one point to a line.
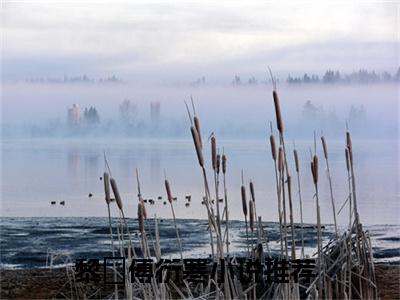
<point>347,159</point>
<point>253,196</point>
<point>348,141</point>
<point>218,163</point>
<point>350,156</point>
<point>197,145</point>
<point>280,160</point>
<point>214,153</point>
<point>224,163</point>
<point>106,179</point>
<point>168,189</point>
<point>251,214</point>
<point>273,146</point>
<point>144,207</point>
<point>197,126</point>
<point>279,121</point>
<point>312,170</point>
<point>116,193</point>
<point>296,160</point>
<point>140,217</point>
<point>324,146</point>
<point>244,204</point>
<point>315,166</point>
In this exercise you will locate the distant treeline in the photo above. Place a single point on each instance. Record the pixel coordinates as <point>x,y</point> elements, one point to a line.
<point>360,76</point>
<point>330,77</point>
<point>75,79</point>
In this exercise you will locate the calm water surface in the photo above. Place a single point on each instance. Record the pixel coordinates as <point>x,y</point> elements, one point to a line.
<point>38,171</point>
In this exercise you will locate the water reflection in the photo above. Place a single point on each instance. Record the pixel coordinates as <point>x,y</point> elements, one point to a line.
<point>71,169</point>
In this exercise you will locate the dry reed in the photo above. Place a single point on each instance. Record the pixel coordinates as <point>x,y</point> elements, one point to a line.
<point>197,145</point>
<point>214,153</point>
<point>279,121</point>
<point>117,196</point>
<point>297,166</point>
<point>224,161</point>
<point>273,146</point>
<point>325,148</point>
<point>244,208</point>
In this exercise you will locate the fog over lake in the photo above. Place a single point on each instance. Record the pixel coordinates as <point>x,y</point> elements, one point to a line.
<point>41,169</point>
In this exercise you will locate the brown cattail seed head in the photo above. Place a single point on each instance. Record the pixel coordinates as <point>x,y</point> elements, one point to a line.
<point>223,163</point>
<point>214,153</point>
<point>251,214</point>
<point>273,146</point>
<point>140,217</point>
<point>347,159</point>
<point>144,207</point>
<point>279,121</point>
<point>106,179</point>
<point>312,171</point>
<point>280,160</point>
<point>218,163</point>
<point>348,141</point>
<point>350,156</point>
<point>197,126</point>
<point>116,193</point>
<point>315,164</point>
<point>244,204</point>
<point>296,160</point>
<point>253,196</point>
<point>324,147</point>
<point>168,189</point>
<point>197,145</point>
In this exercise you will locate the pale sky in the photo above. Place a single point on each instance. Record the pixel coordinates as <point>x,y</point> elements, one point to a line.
<point>180,39</point>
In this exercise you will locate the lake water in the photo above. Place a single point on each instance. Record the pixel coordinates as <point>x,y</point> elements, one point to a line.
<point>38,171</point>
<point>26,242</point>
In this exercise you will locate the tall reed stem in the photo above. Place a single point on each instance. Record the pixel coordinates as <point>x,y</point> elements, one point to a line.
<point>297,165</point>
<point>325,148</point>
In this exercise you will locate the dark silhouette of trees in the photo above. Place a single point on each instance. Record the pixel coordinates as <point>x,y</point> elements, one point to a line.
<point>333,77</point>
<point>91,116</point>
<point>236,80</point>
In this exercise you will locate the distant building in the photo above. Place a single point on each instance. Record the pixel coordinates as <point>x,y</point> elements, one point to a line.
<point>154,112</point>
<point>74,115</point>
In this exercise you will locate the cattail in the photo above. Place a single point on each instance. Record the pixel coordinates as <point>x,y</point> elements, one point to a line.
<point>280,160</point>
<point>315,165</point>
<point>348,141</point>
<point>223,163</point>
<point>244,204</point>
<point>214,153</point>
<point>116,193</point>
<point>218,162</point>
<point>197,145</point>
<point>347,159</point>
<point>197,126</point>
<point>289,184</point>
<point>273,146</point>
<point>296,160</point>
<point>140,217</point>
<point>168,189</point>
<point>324,147</point>
<point>251,215</point>
<point>253,197</point>
<point>106,179</point>
<point>279,121</point>
<point>350,156</point>
<point>312,170</point>
<point>144,207</point>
